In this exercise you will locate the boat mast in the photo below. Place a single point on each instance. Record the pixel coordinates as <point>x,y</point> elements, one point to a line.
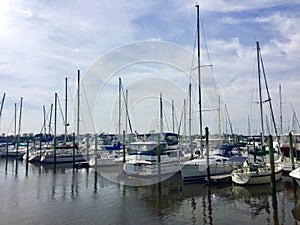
<point>219,112</point>
<point>66,111</point>
<point>280,106</point>
<point>19,130</point>
<point>2,103</point>
<point>78,103</point>
<point>119,120</point>
<point>55,121</point>
<point>199,79</point>
<point>15,128</point>
<point>173,116</point>
<point>44,123</point>
<point>184,121</point>
<point>126,103</point>
<point>190,120</point>
<point>50,119</point>
<point>161,114</point>
<point>260,96</point>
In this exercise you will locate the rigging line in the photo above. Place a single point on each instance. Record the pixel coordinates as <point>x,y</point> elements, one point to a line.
<point>176,119</point>
<point>88,106</point>
<point>165,117</point>
<point>61,112</point>
<point>43,126</point>
<point>295,116</point>
<point>181,118</point>
<point>13,119</point>
<point>230,124</point>
<point>194,47</point>
<point>126,108</point>
<point>205,43</point>
<point>269,98</point>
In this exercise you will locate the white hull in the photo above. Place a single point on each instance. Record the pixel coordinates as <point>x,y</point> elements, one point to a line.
<point>296,175</point>
<point>196,169</point>
<point>62,158</point>
<point>145,161</point>
<point>34,158</point>
<point>245,176</point>
<point>103,162</point>
<point>106,160</point>
<point>148,169</point>
<point>13,154</point>
<point>287,165</point>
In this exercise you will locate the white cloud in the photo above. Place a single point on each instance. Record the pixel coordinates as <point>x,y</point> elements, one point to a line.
<point>43,42</point>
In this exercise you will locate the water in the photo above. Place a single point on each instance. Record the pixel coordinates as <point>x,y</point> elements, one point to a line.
<point>40,195</point>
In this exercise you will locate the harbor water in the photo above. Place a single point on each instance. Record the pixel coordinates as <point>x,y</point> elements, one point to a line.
<point>37,194</point>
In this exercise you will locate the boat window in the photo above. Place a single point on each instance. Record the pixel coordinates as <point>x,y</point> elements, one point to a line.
<point>171,139</point>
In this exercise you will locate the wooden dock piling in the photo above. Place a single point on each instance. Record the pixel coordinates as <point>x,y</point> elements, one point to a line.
<point>271,154</point>
<point>291,150</point>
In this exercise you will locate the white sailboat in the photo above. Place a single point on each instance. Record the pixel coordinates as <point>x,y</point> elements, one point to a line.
<point>15,151</point>
<point>64,153</point>
<point>196,169</point>
<point>257,173</point>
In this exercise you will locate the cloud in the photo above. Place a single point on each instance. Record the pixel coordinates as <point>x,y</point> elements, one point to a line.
<point>45,41</point>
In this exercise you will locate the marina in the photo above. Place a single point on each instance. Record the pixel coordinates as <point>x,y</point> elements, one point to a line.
<point>158,129</point>
<point>41,195</point>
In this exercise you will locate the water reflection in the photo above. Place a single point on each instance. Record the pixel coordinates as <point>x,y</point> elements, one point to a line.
<point>64,191</point>
<point>296,211</point>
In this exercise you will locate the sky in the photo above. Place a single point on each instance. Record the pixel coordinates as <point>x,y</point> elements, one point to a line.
<point>43,42</point>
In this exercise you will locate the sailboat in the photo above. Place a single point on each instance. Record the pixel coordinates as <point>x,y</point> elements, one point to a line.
<point>219,164</point>
<point>17,150</point>
<point>257,172</point>
<point>63,153</point>
<point>108,152</point>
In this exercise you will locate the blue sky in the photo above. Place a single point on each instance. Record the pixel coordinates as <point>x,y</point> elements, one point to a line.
<point>42,42</point>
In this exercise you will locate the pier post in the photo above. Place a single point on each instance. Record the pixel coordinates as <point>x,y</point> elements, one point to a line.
<point>291,150</point>
<point>55,139</point>
<point>96,150</point>
<point>27,150</point>
<point>27,153</point>
<point>17,147</point>
<point>271,154</point>
<point>87,147</point>
<point>124,160</point>
<point>6,156</point>
<point>158,158</point>
<point>207,153</point>
<point>73,139</point>
<point>41,149</point>
<point>254,149</point>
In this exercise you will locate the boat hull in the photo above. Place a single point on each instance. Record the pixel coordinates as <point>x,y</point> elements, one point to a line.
<point>243,177</point>
<point>148,169</point>
<point>296,175</point>
<point>13,154</point>
<point>190,172</point>
<point>62,159</point>
<point>196,170</point>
